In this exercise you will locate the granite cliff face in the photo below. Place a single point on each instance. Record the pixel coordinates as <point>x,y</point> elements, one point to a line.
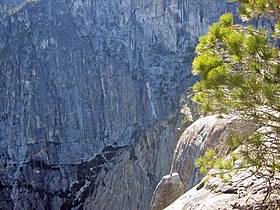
<point>81,83</point>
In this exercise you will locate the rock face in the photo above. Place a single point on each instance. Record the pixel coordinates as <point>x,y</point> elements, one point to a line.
<point>80,82</point>
<point>136,170</point>
<point>167,191</point>
<point>203,134</point>
<point>244,191</point>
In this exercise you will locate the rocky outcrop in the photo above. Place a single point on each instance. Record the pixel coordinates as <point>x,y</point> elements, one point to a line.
<point>244,191</point>
<point>246,188</point>
<point>81,81</point>
<point>205,133</point>
<point>167,191</point>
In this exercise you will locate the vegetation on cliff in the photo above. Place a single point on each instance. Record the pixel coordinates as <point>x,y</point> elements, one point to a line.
<point>240,74</point>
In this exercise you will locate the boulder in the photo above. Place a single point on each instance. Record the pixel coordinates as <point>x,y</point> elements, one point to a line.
<point>167,191</point>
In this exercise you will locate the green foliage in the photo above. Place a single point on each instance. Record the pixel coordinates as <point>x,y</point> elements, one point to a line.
<point>252,9</point>
<point>235,62</point>
<point>240,74</point>
<point>226,20</point>
<point>223,167</point>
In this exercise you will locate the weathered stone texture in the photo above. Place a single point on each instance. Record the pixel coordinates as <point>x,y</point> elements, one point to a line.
<point>167,191</point>
<point>206,133</point>
<point>82,79</point>
<point>244,191</point>
<point>132,178</point>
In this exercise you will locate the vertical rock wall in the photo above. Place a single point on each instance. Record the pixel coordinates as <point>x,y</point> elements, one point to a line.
<point>82,79</point>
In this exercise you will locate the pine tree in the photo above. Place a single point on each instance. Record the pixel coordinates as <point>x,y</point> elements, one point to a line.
<point>239,67</point>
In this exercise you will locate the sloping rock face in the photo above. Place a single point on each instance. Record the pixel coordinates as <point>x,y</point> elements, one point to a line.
<point>203,134</point>
<point>244,191</point>
<point>82,80</point>
<point>206,133</point>
<point>247,188</point>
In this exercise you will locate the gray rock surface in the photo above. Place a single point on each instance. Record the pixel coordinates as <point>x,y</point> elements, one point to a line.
<point>80,81</point>
<point>244,191</point>
<point>167,191</point>
<point>136,170</point>
<point>204,134</point>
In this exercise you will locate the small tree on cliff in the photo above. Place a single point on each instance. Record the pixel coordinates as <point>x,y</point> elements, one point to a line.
<point>239,67</point>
